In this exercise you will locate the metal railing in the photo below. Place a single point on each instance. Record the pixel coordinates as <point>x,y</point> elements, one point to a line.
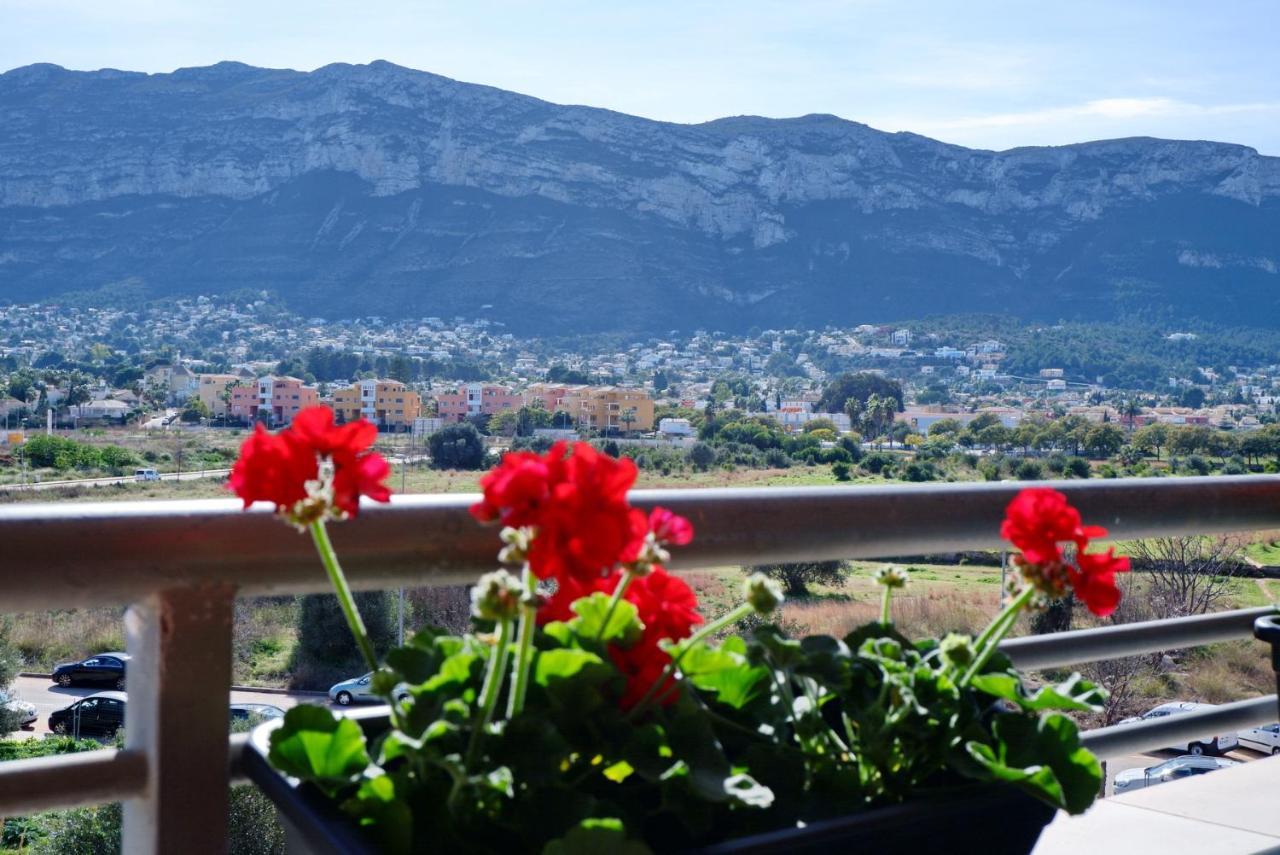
<point>178,566</point>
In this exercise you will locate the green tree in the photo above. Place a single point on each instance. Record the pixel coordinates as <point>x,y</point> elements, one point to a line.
<point>1152,437</point>
<point>194,411</point>
<point>861,386</point>
<point>326,651</point>
<point>457,446</point>
<point>796,578</point>
<point>702,455</point>
<point>1103,440</point>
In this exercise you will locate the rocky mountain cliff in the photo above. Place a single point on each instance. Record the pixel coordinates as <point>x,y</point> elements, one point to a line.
<point>382,190</point>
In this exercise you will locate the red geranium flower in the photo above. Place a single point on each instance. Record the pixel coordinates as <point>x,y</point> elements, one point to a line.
<point>276,467</point>
<point>1094,580</point>
<point>668,606</point>
<point>1038,519</point>
<point>576,499</point>
<point>669,527</point>
<point>642,665</point>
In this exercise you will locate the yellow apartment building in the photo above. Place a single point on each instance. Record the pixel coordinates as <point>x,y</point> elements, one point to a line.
<point>211,389</point>
<point>387,403</point>
<point>609,409</point>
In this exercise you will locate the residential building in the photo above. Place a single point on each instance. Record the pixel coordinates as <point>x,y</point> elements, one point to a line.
<point>211,389</point>
<point>274,400</point>
<point>387,403</point>
<point>610,408</point>
<point>476,399</point>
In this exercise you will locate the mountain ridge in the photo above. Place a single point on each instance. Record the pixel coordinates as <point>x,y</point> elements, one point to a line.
<point>355,189</point>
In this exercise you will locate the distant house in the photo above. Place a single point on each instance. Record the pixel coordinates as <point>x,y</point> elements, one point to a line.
<point>105,410</point>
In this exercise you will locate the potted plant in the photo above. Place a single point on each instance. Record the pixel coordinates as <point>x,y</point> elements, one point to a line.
<point>594,708</point>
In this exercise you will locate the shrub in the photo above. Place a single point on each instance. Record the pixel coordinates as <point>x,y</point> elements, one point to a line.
<point>853,445</point>
<point>990,472</point>
<point>1029,470</point>
<point>457,447</point>
<point>326,652</point>
<point>877,462</point>
<point>840,470</point>
<point>919,471</point>
<point>702,455</point>
<point>115,457</point>
<point>1056,463</point>
<point>797,577</point>
<point>1197,465</point>
<point>1078,467</point>
<point>776,458</point>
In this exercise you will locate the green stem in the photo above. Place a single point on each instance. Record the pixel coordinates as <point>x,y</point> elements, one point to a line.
<point>710,629</point>
<point>618,592</point>
<point>985,646</point>
<point>524,645</point>
<point>885,620</point>
<point>492,685</point>
<point>320,535</point>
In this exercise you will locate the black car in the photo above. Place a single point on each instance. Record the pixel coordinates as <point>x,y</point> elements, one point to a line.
<point>105,669</point>
<point>101,714</point>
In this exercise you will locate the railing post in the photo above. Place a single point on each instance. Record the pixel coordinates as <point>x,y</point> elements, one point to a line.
<point>179,679</point>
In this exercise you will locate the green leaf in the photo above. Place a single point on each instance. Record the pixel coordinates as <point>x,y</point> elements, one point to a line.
<point>315,745</point>
<point>619,771</point>
<point>1043,756</point>
<point>455,670</point>
<point>1074,694</point>
<point>624,624</point>
<point>561,632</point>
<point>415,664</point>
<point>596,837</point>
<point>376,807</point>
<point>562,664</point>
<point>727,673</point>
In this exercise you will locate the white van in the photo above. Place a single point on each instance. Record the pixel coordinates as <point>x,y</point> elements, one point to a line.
<point>1204,745</point>
<point>146,475</point>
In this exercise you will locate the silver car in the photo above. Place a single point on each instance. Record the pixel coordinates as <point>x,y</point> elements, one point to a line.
<point>353,691</point>
<point>1220,744</point>
<point>26,712</point>
<point>1187,766</point>
<point>357,690</point>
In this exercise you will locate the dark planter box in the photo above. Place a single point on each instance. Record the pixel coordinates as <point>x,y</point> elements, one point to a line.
<point>982,818</point>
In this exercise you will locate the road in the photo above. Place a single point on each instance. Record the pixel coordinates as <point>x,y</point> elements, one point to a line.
<point>193,475</point>
<point>48,696</point>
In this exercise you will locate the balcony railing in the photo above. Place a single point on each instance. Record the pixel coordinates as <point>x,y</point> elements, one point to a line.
<point>178,566</point>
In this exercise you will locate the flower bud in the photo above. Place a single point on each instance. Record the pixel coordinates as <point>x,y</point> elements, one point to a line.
<point>763,594</point>
<point>517,542</point>
<point>891,577</point>
<point>496,596</point>
<point>957,649</point>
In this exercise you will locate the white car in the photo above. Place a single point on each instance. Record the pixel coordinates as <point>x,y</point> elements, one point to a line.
<point>357,691</point>
<point>26,712</point>
<point>1265,739</point>
<point>1204,745</point>
<point>1186,766</point>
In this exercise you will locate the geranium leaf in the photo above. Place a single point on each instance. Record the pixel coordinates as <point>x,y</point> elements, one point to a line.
<point>735,682</point>
<point>1075,694</point>
<point>1043,756</point>
<point>376,807</point>
<point>315,745</point>
<point>624,623</point>
<point>596,837</point>
<point>562,664</point>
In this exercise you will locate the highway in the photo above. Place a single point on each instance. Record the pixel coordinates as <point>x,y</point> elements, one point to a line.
<point>193,475</point>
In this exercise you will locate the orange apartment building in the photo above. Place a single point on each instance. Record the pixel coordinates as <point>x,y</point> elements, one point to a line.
<point>274,400</point>
<point>388,404</point>
<point>211,391</point>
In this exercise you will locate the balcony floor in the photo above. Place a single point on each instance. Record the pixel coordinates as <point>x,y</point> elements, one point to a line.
<point>1234,811</point>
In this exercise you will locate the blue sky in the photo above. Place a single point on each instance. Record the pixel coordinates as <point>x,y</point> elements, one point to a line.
<point>975,72</point>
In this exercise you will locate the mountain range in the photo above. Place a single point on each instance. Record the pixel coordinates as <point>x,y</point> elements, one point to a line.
<point>379,190</point>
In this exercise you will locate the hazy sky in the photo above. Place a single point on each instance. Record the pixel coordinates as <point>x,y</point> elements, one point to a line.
<point>975,72</point>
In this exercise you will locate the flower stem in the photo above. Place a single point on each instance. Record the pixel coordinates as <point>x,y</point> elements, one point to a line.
<point>320,536</point>
<point>618,592</point>
<point>985,646</point>
<point>524,645</point>
<point>497,668</point>
<point>710,629</point>
<point>885,619</point>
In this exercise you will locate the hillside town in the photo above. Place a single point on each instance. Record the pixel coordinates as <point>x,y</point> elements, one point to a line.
<point>229,361</point>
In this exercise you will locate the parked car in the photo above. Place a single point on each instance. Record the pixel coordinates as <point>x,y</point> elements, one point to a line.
<point>26,712</point>
<point>257,712</point>
<point>100,714</point>
<point>104,669</point>
<point>1187,766</point>
<point>146,475</point>
<point>1265,739</point>
<point>357,691</point>
<point>1204,745</point>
